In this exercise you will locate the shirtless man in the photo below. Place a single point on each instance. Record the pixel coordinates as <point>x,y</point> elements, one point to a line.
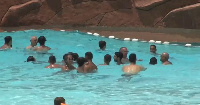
<point>68,60</point>
<point>8,43</point>
<point>42,47</point>
<point>132,69</point>
<point>164,59</point>
<point>124,51</point>
<point>59,101</point>
<point>33,43</point>
<point>81,64</point>
<point>90,66</point>
<point>52,61</point>
<point>118,58</point>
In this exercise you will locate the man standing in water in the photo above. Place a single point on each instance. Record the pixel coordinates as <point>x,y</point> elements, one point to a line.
<point>90,66</point>
<point>8,43</point>
<point>124,51</point>
<point>132,69</point>
<point>33,43</point>
<point>164,59</point>
<point>42,47</point>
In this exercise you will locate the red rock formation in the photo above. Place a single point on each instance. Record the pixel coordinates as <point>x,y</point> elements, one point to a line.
<point>186,17</point>
<point>95,13</point>
<point>14,13</point>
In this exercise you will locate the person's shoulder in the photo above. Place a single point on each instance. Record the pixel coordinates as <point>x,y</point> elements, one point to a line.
<point>141,67</point>
<point>47,66</point>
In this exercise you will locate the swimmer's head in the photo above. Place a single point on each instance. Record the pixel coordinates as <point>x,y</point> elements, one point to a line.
<point>30,58</point>
<point>124,51</point>
<point>52,59</point>
<point>88,56</point>
<point>102,45</point>
<point>68,59</point>
<point>153,61</point>
<point>107,58</point>
<point>132,58</point>
<point>153,48</point>
<point>164,57</point>
<point>8,40</point>
<point>118,56</point>
<point>33,40</point>
<point>59,100</point>
<point>81,61</point>
<point>42,40</point>
<point>75,56</point>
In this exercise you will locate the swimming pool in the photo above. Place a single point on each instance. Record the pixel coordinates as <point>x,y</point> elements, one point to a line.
<point>23,83</point>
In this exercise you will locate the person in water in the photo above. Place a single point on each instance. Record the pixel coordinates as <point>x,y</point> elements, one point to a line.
<point>153,61</point>
<point>33,43</point>
<point>8,43</point>
<point>68,60</point>
<point>90,66</point>
<point>81,61</point>
<point>124,51</point>
<point>153,49</point>
<point>75,56</point>
<point>107,59</point>
<point>118,58</point>
<point>102,45</point>
<point>164,58</point>
<point>59,101</point>
<point>31,59</point>
<point>42,47</point>
<point>132,69</point>
<point>52,61</point>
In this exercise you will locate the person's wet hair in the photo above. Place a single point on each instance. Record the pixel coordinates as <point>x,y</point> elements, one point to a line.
<point>59,100</point>
<point>121,48</point>
<point>119,55</point>
<point>102,44</point>
<point>41,40</point>
<point>75,56</point>
<point>89,55</point>
<point>7,39</point>
<point>107,58</point>
<point>52,59</point>
<point>153,61</point>
<point>81,61</point>
<point>153,46</point>
<point>30,59</point>
<point>132,57</point>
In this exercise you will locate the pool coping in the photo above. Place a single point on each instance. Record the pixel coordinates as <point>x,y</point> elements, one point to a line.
<point>144,34</point>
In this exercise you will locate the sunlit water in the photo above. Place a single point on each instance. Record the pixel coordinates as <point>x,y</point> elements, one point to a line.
<point>23,83</point>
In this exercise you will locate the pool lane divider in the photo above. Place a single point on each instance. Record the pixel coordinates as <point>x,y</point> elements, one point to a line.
<point>188,45</point>
<point>127,39</point>
<point>134,40</point>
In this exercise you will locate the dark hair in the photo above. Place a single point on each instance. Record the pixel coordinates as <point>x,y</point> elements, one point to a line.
<point>42,40</point>
<point>30,58</point>
<point>132,57</point>
<point>52,59</point>
<point>153,61</point>
<point>7,39</point>
<point>65,56</point>
<point>153,46</point>
<point>81,61</point>
<point>75,56</point>
<point>59,100</point>
<point>121,48</point>
<point>89,55</point>
<point>102,44</point>
<point>119,55</point>
<point>107,58</point>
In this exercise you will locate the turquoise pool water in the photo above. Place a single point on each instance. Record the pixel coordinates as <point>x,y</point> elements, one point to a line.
<point>23,83</point>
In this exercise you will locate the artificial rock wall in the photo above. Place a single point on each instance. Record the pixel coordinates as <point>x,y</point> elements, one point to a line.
<point>128,13</point>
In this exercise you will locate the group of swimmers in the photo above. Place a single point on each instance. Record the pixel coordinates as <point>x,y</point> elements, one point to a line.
<point>85,64</point>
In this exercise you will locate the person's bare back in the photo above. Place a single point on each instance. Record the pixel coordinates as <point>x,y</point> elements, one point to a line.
<point>133,69</point>
<point>42,48</point>
<point>90,67</point>
<point>53,66</point>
